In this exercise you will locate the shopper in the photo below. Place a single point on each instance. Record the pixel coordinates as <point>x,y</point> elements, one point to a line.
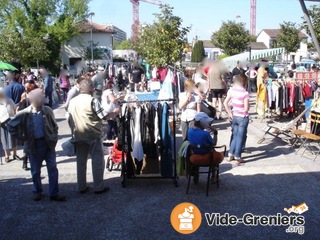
<point>7,111</point>
<point>136,76</point>
<point>239,117</point>
<point>200,134</point>
<point>99,82</point>
<point>217,85</point>
<point>189,104</point>
<point>41,131</point>
<point>110,104</point>
<point>64,84</point>
<point>14,89</point>
<point>86,118</point>
<point>251,74</point>
<point>24,103</point>
<point>48,86</point>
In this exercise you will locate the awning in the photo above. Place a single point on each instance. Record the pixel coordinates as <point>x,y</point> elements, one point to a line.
<point>231,62</point>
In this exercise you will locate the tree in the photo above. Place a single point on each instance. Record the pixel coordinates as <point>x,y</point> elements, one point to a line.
<point>232,37</point>
<point>314,12</point>
<point>198,53</point>
<point>28,21</point>
<point>162,42</point>
<point>124,45</point>
<point>288,38</point>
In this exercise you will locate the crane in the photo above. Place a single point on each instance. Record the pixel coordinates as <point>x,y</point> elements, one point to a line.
<point>253,17</point>
<point>136,19</point>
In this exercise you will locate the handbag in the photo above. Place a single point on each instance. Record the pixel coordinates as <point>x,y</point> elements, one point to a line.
<point>69,148</point>
<point>208,109</point>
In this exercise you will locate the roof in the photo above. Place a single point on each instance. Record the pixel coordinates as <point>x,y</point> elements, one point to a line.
<point>85,27</point>
<point>257,45</point>
<point>208,44</point>
<point>273,33</point>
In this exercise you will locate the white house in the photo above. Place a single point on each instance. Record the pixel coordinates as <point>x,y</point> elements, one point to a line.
<point>212,52</point>
<point>102,36</point>
<point>269,38</point>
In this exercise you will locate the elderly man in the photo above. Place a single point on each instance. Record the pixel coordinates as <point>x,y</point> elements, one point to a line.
<point>41,134</point>
<point>48,85</point>
<point>99,82</point>
<point>86,118</point>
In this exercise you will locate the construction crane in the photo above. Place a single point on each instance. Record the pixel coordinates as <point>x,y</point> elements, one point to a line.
<point>136,18</point>
<point>253,17</point>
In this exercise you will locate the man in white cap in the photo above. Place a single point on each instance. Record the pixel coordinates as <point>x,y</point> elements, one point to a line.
<point>200,134</point>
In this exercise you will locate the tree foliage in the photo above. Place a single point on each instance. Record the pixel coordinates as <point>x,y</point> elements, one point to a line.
<point>163,42</point>
<point>124,45</point>
<point>26,22</point>
<point>289,37</point>
<point>314,12</point>
<point>232,37</point>
<point>198,53</point>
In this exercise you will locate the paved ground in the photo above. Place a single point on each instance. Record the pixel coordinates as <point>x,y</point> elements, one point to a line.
<point>272,178</point>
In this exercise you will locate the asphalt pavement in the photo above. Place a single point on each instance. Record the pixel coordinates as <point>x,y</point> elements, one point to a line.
<point>273,178</point>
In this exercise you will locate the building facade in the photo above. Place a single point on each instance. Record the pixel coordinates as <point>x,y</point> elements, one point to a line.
<point>269,38</point>
<point>75,50</point>
<point>119,35</point>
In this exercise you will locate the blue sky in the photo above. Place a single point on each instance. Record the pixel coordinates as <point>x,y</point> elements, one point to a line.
<point>205,16</point>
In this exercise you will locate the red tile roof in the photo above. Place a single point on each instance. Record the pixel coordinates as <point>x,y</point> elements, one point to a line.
<point>85,27</point>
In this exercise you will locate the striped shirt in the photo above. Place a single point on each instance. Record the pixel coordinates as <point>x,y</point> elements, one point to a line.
<point>238,97</point>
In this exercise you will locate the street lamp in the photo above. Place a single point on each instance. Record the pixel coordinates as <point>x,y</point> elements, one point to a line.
<point>91,14</point>
<point>112,36</point>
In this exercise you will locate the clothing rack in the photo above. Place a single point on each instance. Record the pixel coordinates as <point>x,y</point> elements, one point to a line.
<point>124,167</point>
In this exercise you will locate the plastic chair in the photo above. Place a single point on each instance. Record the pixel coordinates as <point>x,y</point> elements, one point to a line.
<point>213,170</point>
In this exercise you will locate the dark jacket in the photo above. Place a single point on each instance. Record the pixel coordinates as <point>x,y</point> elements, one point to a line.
<point>14,91</point>
<point>24,117</point>
<point>48,84</point>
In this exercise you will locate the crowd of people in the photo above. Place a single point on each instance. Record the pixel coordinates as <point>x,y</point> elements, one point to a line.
<point>92,105</point>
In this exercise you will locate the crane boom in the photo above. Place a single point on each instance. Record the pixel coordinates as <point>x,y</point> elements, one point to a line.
<point>135,15</point>
<point>253,17</point>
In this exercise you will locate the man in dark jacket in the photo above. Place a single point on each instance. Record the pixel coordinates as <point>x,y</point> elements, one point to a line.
<point>41,134</point>
<point>48,85</point>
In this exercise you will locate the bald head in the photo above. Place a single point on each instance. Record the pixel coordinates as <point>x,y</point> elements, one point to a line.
<point>86,86</point>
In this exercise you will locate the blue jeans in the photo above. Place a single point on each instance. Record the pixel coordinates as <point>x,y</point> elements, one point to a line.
<point>239,130</point>
<point>43,152</point>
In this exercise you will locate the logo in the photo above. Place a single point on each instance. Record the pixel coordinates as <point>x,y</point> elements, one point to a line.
<point>299,209</point>
<point>186,218</point>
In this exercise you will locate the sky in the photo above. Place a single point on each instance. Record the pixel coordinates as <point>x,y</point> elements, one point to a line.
<point>204,16</point>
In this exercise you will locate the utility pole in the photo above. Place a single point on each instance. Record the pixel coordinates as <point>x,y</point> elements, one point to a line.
<point>91,14</point>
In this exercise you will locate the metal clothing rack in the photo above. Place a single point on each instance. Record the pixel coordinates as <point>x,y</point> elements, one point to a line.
<point>124,167</point>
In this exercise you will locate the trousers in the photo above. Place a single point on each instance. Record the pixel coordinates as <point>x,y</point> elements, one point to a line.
<point>95,149</point>
<point>239,130</point>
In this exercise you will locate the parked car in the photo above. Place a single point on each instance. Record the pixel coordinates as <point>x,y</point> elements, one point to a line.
<point>279,68</point>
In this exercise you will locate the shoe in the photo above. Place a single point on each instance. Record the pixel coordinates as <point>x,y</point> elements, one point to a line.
<point>231,158</point>
<point>7,160</point>
<point>37,197</point>
<point>16,157</point>
<point>84,190</point>
<point>240,161</point>
<point>106,189</point>
<point>58,198</point>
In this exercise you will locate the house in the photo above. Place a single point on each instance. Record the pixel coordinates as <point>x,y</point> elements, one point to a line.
<point>269,38</point>
<point>211,51</point>
<point>102,36</point>
<point>258,46</point>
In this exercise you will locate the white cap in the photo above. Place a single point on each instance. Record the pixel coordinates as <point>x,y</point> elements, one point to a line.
<point>204,119</point>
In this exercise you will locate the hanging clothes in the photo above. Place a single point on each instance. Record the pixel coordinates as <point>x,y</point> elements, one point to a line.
<point>166,91</point>
<point>166,148</point>
<point>137,152</point>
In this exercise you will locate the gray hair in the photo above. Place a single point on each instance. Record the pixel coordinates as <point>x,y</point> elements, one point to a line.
<point>86,86</point>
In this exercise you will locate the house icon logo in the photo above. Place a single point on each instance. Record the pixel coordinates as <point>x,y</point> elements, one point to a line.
<point>186,218</point>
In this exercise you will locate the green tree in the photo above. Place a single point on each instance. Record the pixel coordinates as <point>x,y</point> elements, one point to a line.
<point>288,38</point>
<point>124,45</point>
<point>198,53</point>
<point>163,42</point>
<point>314,12</point>
<point>232,37</point>
<point>28,21</point>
